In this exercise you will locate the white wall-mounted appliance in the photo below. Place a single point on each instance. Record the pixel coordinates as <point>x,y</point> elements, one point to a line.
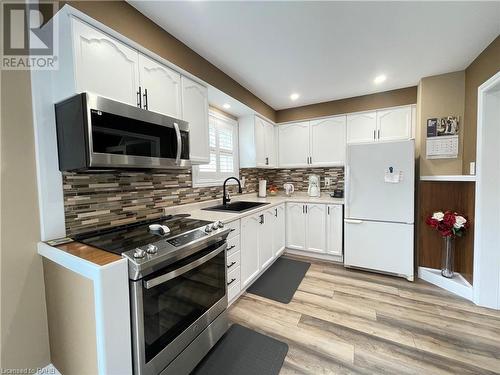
<point>379,211</point>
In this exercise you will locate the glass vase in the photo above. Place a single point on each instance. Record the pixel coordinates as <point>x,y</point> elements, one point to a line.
<point>447,257</point>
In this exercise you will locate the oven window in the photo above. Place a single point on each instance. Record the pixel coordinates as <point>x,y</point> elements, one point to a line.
<point>113,134</point>
<point>171,307</point>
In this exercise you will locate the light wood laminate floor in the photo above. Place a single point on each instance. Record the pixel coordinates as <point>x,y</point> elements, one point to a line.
<point>343,321</point>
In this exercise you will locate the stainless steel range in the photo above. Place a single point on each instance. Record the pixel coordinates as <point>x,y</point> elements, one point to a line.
<point>178,289</point>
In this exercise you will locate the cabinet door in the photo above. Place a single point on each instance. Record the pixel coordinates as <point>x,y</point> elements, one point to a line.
<point>104,66</point>
<point>295,226</point>
<point>163,87</point>
<point>293,145</point>
<point>394,124</point>
<point>249,262</point>
<point>270,144</point>
<point>361,127</point>
<point>279,229</point>
<point>327,139</point>
<point>316,228</point>
<point>260,142</point>
<point>195,111</point>
<point>266,251</point>
<point>334,230</point>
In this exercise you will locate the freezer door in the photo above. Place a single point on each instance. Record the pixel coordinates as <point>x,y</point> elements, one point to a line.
<point>385,247</point>
<point>368,194</point>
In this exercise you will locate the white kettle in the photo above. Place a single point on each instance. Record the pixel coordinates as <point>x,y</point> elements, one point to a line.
<point>289,188</point>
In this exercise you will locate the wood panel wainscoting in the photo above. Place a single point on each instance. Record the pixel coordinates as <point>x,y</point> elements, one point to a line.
<point>343,321</point>
<point>446,195</point>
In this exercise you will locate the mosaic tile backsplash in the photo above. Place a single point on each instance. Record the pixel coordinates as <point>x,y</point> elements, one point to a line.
<point>100,200</point>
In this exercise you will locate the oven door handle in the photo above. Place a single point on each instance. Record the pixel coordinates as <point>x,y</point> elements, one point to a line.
<point>179,143</point>
<point>188,267</point>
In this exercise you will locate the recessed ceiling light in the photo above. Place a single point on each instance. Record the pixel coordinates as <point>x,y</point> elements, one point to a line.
<point>294,96</point>
<point>226,105</point>
<point>379,79</point>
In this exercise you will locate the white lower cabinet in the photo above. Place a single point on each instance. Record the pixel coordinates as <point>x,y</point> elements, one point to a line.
<point>334,229</point>
<point>250,267</point>
<point>279,230</point>
<point>306,227</point>
<point>266,251</point>
<point>233,261</point>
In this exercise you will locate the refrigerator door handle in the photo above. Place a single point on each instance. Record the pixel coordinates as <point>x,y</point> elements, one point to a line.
<point>352,221</point>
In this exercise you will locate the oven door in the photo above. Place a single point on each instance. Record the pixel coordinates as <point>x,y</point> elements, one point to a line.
<point>121,135</point>
<point>171,307</point>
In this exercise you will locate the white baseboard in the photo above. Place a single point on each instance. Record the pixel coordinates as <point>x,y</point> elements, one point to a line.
<point>48,370</point>
<point>310,254</point>
<point>457,285</point>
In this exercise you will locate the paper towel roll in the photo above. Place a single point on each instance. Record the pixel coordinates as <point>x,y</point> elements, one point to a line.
<point>262,188</point>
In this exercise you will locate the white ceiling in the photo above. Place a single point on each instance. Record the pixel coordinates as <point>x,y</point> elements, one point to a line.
<point>329,50</point>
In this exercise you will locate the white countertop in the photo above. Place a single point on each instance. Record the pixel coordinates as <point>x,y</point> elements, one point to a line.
<point>196,209</point>
<point>451,178</point>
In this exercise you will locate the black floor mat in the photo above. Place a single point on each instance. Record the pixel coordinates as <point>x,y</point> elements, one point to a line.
<point>281,280</point>
<point>242,351</point>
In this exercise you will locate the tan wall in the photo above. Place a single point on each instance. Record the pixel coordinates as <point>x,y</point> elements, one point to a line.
<point>359,103</point>
<point>486,65</point>
<point>129,22</point>
<point>24,336</point>
<point>71,318</point>
<point>440,96</point>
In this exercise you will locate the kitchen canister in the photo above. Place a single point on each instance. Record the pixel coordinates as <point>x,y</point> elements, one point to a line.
<point>262,188</point>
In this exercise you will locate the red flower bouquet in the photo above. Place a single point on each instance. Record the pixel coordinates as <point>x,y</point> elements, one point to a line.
<point>448,223</point>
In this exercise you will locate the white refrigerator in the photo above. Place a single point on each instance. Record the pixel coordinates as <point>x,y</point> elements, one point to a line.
<point>379,207</point>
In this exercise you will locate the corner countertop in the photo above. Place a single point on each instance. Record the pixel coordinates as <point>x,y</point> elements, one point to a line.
<point>196,209</point>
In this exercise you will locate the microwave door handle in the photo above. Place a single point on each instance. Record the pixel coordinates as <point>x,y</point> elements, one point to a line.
<point>179,143</point>
<point>188,267</point>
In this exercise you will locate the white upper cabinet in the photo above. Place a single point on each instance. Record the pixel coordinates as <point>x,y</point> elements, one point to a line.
<point>316,228</point>
<point>257,142</point>
<point>327,141</point>
<point>382,125</point>
<point>160,87</point>
<point>394,124</point>
<point>334,229</point>
<point>361,127</point>
<point>294,145</point>
<point>195,112</point>
<point>103,65</point>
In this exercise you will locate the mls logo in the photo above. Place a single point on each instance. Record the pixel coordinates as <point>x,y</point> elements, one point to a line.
<point>28,40</point>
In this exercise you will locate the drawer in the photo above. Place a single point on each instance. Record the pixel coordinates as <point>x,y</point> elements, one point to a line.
<point>234,226</point>
<point>233,245</point>
<point>233,275</point>
<point>233,261</point>
<point>233,291</point>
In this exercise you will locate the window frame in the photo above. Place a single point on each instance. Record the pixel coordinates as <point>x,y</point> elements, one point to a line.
<point>198,180</point>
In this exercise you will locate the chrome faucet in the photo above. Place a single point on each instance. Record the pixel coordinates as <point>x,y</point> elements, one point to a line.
<point>225,196</point>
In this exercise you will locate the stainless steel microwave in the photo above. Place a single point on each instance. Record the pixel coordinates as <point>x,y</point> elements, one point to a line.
<point>96,133</point>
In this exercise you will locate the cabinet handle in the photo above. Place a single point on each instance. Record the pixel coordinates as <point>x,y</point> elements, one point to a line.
<point>374,132</point>
<point>303,209</point>
<point>139,98</point>
<point>145,96</point>
<point>261,219</point>
<point>230,265</point>
<point>231,247</point>
<point>267,161</point>
<point>310,159</point>
<point>378,134</point>
<point>232,281</point>
<point>276,212</point>
<point>306,208</point>
<point>328,210</point>
<point>232,230</point>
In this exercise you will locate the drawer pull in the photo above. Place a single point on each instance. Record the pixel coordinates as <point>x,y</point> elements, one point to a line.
<point>232,230</point>
<point>231,247</point>
<point>232,281</point>
<point>230,265</point>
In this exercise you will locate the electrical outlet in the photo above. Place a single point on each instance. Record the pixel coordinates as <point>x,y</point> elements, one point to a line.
<point>328,181</point>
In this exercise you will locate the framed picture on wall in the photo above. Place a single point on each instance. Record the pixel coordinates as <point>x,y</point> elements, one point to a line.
<point>432,125</point>
<point>448,125</point>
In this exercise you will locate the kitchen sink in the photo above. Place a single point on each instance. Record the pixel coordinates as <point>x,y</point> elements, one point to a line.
<point>238,206</point>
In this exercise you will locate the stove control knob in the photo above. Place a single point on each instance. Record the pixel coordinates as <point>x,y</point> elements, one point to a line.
<point>221,224</point>
<point>152,249</point>
<point>208,228</point>
<point>139,253</point>
<point>215,225</point>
